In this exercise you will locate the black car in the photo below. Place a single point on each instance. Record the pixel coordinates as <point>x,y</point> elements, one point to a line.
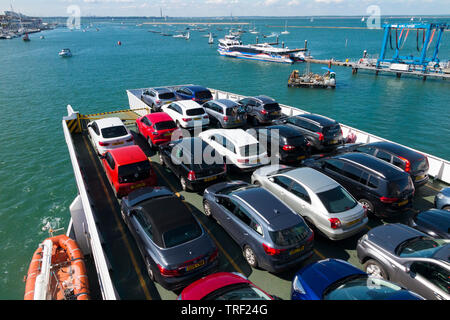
<point>434,222</point>
<point>323,133</point>
<point>413,162</point>
<point>193,161</point>
<point>291,145</point>
<point>261,109</point>
<point>175,247</point>
<point>381,187</point>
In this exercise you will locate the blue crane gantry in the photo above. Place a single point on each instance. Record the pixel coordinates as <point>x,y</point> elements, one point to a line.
<point>429,30</point>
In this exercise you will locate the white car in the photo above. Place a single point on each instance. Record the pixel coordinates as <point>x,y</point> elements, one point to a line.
<point>187,114</point>
<point>109,133</point>
<point>237,147</point>
<point>320,200</point>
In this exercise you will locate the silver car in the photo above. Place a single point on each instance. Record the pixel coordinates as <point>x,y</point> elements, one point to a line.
<point>442,199</point>
<point>319,199</point>
<point>226,113</point>
<point>156,97</point>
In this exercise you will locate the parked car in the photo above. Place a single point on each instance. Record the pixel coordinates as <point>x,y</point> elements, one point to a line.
<point>156,97</point>
<point>335,279</point>
<point>187,114</point>
<point>433,222</point>
<point>271,235</point>
<point>442,199</point>
<point>290,146</point>
<point>413,162</point>
<point>261,109</point>
<point>193,161</point>
<point>238,148</point>
<point>225,113</point>
<point>320,200</point>
<point>401,254</point>
<point>109,133</point>
<point>381,187</point>
<point>156,127</point>
<point>196,93</point>
<point>175,247</point>
<point>223,286</point>
<point>128,169</point>
<point>323,133</point>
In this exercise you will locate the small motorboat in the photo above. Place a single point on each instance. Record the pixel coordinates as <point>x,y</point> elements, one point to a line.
<point>26,38</point>
<point>312,80</point>
<point>65,53</point>
<point>57,271</point>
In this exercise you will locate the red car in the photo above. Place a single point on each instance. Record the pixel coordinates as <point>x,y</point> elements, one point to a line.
<point>156,127</point>
<point>128,169</point>
<point>223,286</point>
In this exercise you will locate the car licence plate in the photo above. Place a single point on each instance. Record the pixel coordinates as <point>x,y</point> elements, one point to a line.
<point>140,185</point>
<point>333,141</point>
<point>402,203</point>
<point>210,179</point>
<point>167,134</point>
<point>353,222</point>
<point>195,265</point>
<point>301,157</point>
<point>419,178</point>
<point>296,250</point>
<point>275,113</point>
<point>117,143</point>
<point>197,118</point>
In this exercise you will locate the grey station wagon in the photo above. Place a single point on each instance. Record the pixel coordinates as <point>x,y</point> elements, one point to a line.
<point>226,113</point>
<point>271,235</point>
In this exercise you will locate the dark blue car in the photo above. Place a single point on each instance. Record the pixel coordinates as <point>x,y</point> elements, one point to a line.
<point>335,279</point>
<point>199,94</point>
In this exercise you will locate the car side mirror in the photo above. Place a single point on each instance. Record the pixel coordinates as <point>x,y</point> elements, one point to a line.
<point>271,179</point>
<point>103,156</point>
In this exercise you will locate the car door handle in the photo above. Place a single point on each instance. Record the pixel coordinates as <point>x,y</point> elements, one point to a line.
<point>245,234</point>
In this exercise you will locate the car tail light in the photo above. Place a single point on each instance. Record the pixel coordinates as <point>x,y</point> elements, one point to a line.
<point>407,164</point>
<point>205,117</point>
<point>158,101</point>
<point>263,111</point>
<point>225,118</point>
<point>320,136</point>
<point>131,139</point>
<point>191,175</point>
<point>335,223</point>
<point>242,160</point>
<point>311,237</point>
<point>287,147</point>
<point>213,255</point>
<point>103,144</point>
<point>168,272</point>
<point>388,199</point>
<point>225,167</point>
<point>186,119</point>
<point>272,251</point>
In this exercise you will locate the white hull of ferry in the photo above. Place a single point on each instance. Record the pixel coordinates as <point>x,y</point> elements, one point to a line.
<point>259,57</point>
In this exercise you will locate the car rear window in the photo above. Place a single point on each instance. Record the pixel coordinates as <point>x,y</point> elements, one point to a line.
<point>272,107</point>
<point>165,125</point>
<point>337,200</point>
<point>289,236</point>
<point>195,112</point>
<point>419,165</point>
<point>297,141</point>
<point>331,130</point>
<point>114,132</point>
<point>167,95</point>
<point>181,234</point>
<point>251,150</point>
<point>203,94</point>
<point>134,172</point>
<point>396,187</point>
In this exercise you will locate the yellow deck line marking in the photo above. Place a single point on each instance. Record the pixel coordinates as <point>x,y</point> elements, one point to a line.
<point>235,266</point>
<point>127,244</point>
<point>433,188</point>
<point>319,254</point>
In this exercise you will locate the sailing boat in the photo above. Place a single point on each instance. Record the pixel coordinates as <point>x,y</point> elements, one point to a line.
<point>211,39</point>
<point>285,29</point>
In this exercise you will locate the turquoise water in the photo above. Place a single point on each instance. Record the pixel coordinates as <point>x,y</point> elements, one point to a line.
<point>37,183</point>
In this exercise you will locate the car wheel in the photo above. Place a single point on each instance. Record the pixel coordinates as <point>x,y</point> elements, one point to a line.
<point>447,208</point>
<point>149,269</point>
<point>207,208</point>
<point>250,257</point>
<point>150,143</point>
<point>367,204</point>
<point>183,183</point>
<point>257,183</point>
<point>374,268</point>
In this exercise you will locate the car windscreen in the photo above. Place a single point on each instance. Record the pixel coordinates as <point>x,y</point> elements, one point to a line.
<point>422,247</point>
<point>134,172</point>
<point>114,132</point>
<point>167,95</point>
<point>195,112</point>
<point>337,200</point>
<point>165,125</point>
<point>361,287</point>
<point>181,234</point>
<point>331,130</point>
<point>289,236</point>
<point>203,94</point>
<point>419,165</point>
<point>272,107</point>
<point>250,150</point>
<point>396,187</point>
<point>240,291</point>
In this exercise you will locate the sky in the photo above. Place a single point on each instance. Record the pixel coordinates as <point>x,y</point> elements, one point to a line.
<point>210,8</point>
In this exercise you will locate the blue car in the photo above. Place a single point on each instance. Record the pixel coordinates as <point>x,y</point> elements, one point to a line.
<point>442,199</point>
<point>199,94</point>
<point>335,279</point>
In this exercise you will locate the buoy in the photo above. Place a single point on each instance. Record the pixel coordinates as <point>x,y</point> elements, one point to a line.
<point>119,43</point>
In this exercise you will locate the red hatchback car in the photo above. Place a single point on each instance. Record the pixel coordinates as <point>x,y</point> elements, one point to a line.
<point>156,127</point>
<point>223,286</point>
<point>128,169</point>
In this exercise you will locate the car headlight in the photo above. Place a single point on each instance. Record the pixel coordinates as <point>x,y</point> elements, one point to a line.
<point>296,284</point>
<point>440,196</point>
